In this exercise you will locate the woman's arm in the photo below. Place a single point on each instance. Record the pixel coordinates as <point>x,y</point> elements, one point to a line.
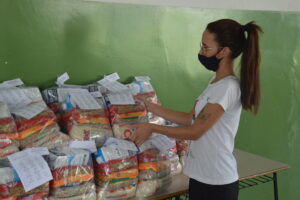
<point>177,117</point>
<point>209,115</point>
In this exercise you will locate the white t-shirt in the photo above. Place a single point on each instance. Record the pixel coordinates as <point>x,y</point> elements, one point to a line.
<point>210,159</point>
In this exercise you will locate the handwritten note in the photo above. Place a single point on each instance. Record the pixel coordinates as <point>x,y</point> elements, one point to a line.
<point>30,111</point>
<point>32,169</point>
<point>121,98</point>
<point>14,97</point>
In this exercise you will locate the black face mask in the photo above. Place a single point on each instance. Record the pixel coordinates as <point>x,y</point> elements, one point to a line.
<point>210,63</point>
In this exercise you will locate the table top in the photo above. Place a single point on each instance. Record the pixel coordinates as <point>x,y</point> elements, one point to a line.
<point>249,166</point>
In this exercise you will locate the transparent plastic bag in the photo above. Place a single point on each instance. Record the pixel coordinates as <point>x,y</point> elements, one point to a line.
<point>80,124</point>
<point>12,188</point>
<point>88,125</point>
<point>182,149</point>
<point>143,88</point>
<point>28,127</point>
<point>154,170</point>
<point>175,164</point>
<point>49,137</point>
<point>8,133</point>
<point>116,172</point>
<point>73,174</point>
<point>123,116</point>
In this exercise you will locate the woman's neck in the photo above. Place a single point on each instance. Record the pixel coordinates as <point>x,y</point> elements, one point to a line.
<point>225,69</point>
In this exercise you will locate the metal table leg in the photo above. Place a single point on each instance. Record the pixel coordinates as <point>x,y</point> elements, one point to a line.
<point>275,186</point>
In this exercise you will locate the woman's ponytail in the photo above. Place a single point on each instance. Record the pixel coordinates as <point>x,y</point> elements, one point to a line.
<point>249,73</point>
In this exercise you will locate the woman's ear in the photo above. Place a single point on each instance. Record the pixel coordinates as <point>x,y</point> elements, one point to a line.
<point>225,52</point>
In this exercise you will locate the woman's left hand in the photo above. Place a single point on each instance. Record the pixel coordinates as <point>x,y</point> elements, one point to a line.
<point>142,133</point>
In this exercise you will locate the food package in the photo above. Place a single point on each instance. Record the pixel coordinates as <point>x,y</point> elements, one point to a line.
<point>34,131</point>
<point>12,188</point>
<point>73,174</point>
<point>8,133</point>
<point>116,170</point>
<point>123,116</point>
<point>143,88</point>
<point>49,137</point>
<point>79,123</point>
<point>154,169</point>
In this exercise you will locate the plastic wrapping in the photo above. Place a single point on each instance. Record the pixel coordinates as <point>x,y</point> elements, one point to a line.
<point>12,188</point>
<point>122,116</point>
<point>80,124</point>
<point>73,174</point>
<point>144,89</point>
<point>8,133</point>
<point>154,170</point>
<point>182,150</point>
<point>116,172</point>
<point>175,164</point>
<point>87,125</point>
<point>49,137</point>
<point>32,130</point>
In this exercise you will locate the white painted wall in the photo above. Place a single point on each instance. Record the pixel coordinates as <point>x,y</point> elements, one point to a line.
<point>275,5</point>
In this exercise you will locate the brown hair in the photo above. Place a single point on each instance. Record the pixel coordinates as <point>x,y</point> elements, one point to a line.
<point>242,39</point>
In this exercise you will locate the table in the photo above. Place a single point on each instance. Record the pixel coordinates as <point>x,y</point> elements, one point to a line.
<point>253,170</point>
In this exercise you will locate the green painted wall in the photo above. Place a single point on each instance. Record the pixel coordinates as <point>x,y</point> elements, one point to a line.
<point>40,39</point>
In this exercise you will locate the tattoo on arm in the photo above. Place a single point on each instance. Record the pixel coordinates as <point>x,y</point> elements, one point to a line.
<point>204,116</point>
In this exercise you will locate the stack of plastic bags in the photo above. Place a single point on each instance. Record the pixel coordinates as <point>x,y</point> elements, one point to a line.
<point>73,174</point>
<point>8,133</point>
<point>154,168</point>
<point>11,187</point>
<point>37,124</point>
<point>116,170</point>
<point>143,88</point>
<point>77,117</point>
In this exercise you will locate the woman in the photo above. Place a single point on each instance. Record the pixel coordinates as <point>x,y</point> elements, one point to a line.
<point>212,124</point>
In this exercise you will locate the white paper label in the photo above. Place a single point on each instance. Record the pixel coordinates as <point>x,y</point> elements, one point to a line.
<point>14,83</point>
<point>29,111</point>
<point>122,144</point>
<point>62,79</point>
<point>89,145</point>
<point>85,100</point>
<point>142,78</point>
<point>32,169</point>
<point>113,86</point>
<point>121,98</point>
<point>14,97</point>
<point>39,150</point>
<point>112,153</point>
<point>163,143</point>
<point>112,77</point>
<point>4,111</point>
